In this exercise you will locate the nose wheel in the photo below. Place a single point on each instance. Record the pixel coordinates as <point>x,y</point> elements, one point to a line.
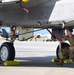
<point>7,52</point>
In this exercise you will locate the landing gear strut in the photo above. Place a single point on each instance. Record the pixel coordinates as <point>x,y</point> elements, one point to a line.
<point>7,50</point>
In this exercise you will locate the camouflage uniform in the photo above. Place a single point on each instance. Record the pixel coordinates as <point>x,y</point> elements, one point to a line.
<point>67,51</point>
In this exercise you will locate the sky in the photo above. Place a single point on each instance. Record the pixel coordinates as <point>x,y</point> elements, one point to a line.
<point>42,32</point>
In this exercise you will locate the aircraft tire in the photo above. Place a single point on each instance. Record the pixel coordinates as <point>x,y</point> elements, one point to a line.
<point>63,45</point>
<point>7,52</point>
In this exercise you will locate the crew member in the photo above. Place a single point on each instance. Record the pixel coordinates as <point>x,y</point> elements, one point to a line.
<point>68,50</point>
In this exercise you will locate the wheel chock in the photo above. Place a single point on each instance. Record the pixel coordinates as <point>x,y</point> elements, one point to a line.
<point>55,60</point>
<point>65,61</point>
<point>11,63</point>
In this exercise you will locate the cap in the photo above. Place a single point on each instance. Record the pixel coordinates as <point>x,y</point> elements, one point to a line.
<point>70,29</point>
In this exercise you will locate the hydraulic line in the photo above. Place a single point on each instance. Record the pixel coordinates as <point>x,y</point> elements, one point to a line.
<point>25,9</point>
<point>51,34</point>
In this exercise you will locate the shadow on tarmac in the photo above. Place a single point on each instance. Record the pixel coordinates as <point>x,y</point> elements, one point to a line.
<point>40,62</point>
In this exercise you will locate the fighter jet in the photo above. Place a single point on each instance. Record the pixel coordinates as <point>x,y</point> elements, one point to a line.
<point>25,15</point>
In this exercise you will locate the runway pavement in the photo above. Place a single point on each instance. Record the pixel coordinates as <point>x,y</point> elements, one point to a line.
<point>35,59</point>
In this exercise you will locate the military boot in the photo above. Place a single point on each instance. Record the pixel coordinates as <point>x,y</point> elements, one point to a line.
<point>61,62</point>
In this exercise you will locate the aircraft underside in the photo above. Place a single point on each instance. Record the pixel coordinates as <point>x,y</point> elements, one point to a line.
<point>24,17</point>
<point>42,14</point>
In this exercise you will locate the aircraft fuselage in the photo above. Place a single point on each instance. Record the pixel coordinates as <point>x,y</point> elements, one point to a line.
<point>48,13</point>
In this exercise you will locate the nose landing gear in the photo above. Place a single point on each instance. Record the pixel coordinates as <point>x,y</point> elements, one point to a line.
<point>7,50</point>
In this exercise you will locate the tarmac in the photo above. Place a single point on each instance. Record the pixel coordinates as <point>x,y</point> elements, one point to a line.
<point>35,59</point>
